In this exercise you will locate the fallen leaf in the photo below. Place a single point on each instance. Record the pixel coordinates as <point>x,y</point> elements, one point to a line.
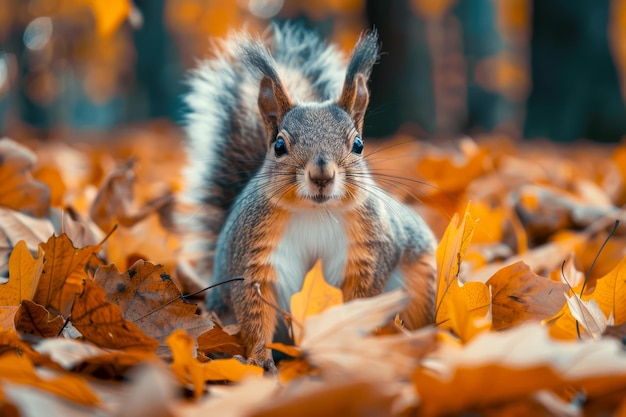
<point>216,340</point>
<point>18,369</point>
<point>115,200</point>
<point>490,222</point>
<point>238,400</point>
<point>101,322</point>
<point>88,359</point>
<point>315,296</point>
<point>32,318</point>
<point>545,209</point>
<point>68,352</point>
<point>498,367</point>
<point>188,370</point>
<point>450,253</point>
<point>355,398</point>
<point>610,293</point>
<point>18,190</point>
<point>11,342</point>
<point>24,274</point>
<point>16,226</point>
<point>149,298</point>
<point>81,230</point>
<point>63,274</point>
<point>151,393</point>
<point>339,343</point>
<point>7,317</point>
<point>465,308</point>
<point>469,309</point>
<point>589,315</point>
<point>519,295</point>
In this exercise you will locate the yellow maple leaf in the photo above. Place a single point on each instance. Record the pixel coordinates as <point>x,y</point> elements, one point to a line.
<point>465,308</point>
<point>610,293</point>
<point>189,370</point>
<point>315,297</point>
<point>24,273</point>
<point>469,306</point>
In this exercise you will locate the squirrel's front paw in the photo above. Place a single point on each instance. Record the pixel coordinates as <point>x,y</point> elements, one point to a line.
<point>264,362</point>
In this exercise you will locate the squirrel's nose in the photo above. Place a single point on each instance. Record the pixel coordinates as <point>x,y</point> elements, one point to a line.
<point>322,180</point>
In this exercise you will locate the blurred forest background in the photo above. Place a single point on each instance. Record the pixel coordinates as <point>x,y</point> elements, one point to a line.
<point>525,68</point>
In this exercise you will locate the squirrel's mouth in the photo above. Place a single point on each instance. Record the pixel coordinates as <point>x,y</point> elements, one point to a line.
<point>320,198</point>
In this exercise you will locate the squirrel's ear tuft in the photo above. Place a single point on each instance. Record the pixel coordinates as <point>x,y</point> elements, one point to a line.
<point>354,95</point>
<point>274,102</point>
<point>354,99</point>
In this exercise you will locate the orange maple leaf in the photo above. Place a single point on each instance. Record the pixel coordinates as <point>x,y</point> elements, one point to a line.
<point>64,273</point>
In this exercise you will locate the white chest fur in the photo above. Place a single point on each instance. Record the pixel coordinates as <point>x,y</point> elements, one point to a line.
<point>310,235</point>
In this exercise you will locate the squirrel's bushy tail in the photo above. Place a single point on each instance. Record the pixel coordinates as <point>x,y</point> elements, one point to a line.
<point>227,140</point>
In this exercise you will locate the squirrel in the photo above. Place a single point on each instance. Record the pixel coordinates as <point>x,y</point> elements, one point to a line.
<point>278,172</point>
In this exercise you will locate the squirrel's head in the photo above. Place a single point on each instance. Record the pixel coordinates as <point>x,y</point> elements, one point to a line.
<point>316,149</point>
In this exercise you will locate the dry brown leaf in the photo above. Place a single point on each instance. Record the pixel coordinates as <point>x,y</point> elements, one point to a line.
<point>147,240</point>
<point>64,273</point>
<point>115,200</point>
<point>101,322</point>
<point>32,318</point>
<point>88,359</point>
<point>149,298</point>
<point>545,209</point>
<point>216,340</point>
<point>18,190</point>
<point>520,295</point>
<point>15,226</point>
<point>81,230</point>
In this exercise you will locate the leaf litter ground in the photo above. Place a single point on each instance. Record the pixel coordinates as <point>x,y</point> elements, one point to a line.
<point>530,311</point>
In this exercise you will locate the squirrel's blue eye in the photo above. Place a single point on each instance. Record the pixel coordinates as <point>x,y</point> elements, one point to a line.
<point>357,146</point>
<point>280,147</point>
